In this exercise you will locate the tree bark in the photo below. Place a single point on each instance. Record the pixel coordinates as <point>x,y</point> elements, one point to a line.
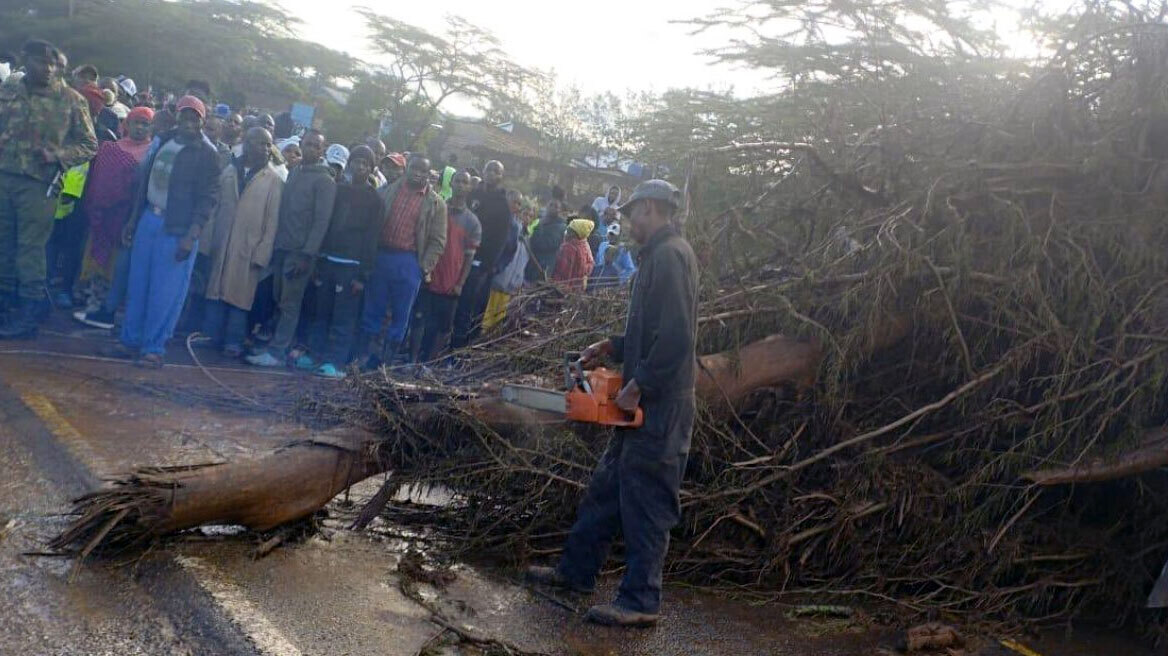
<point>298,479</point>
<point>1152,453</point>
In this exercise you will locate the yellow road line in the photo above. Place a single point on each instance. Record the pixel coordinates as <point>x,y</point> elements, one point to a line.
<point>60,427</point>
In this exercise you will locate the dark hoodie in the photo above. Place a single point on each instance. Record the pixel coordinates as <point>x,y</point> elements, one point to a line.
<point>355,214</point>
<point>305,208</point>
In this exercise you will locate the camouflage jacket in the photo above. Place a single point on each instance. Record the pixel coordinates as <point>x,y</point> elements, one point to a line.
<point>55,118</point>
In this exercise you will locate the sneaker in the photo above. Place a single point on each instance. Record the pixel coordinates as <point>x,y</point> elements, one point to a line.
<point>551,577</point>
<point>100,319</point>
<point>327,370</point>
<point>264,359</point>
<point>63,300</point>
<point>304,362</point>
<point>613,615</point>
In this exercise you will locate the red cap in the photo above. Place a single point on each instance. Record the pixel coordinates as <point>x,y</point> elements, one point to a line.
<point>191,102</point>
<point>397,158</point>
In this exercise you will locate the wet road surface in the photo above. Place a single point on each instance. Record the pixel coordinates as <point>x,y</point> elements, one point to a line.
<point>70,418</point>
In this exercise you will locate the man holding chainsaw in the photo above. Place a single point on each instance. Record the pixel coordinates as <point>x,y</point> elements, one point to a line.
<point>635,487</point>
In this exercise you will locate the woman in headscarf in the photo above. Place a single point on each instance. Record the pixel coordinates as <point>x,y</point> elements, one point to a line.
<point>574,263</point>
<point>106,203</point>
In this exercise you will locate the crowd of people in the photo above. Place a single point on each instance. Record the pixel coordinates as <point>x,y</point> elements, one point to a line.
<point>274,244</point>
<point>287,250</point>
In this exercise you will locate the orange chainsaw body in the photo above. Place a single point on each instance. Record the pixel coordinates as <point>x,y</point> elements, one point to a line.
<point>596,402</point>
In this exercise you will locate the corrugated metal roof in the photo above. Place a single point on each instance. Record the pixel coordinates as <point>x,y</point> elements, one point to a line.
<point>470,135</point>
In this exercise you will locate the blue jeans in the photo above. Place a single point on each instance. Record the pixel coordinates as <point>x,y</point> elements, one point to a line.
<point>634,490</point>
<point>393,287</point>
<point>224,323</point>
<point>157,287</point>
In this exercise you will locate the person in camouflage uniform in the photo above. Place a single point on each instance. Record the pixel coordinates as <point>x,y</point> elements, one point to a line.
<point>45,129</point>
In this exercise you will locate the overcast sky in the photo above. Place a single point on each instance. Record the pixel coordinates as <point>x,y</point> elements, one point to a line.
<point>596,44</point>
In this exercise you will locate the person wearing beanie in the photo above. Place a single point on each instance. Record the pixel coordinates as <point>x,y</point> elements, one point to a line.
<point>574,262</point>
<point>45,130</point>
<point>305,211</point>
<point>175,199</point>
<point>348,244</point>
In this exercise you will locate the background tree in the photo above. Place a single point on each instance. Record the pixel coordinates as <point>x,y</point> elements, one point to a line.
<point>464,61</point>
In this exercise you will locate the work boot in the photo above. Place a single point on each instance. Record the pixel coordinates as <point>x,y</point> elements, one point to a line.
<point>551,577</point>
<point>613,615</point>
<point>24,324</point>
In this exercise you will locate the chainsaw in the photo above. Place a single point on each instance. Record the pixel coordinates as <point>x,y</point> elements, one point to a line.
<point>590,396</point>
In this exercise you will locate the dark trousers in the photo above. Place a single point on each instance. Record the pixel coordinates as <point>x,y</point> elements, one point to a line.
<point>119,283</point>
<point>393,288</point>
<point>224,323</point>
<point>431,325</point>
<point>26,221</point>
<point>634,491</point>
<point>337,309</point>
<point>468,318</point>
<point>65,248</point>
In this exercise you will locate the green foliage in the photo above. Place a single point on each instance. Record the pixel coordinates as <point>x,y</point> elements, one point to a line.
<point>237,46</point>
<point>427,69</point>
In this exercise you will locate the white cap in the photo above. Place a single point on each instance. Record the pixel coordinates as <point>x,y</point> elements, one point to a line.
<point>128,86</point>
<point>337,154</point>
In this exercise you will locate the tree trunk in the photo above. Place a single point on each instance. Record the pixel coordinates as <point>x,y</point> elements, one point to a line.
<point>298,479</point>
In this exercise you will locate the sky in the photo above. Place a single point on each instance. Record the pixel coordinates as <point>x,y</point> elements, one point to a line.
<point>597,45</point>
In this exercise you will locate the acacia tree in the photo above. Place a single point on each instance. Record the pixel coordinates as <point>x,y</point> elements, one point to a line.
<point>236,46</point>
<point>463,61</point>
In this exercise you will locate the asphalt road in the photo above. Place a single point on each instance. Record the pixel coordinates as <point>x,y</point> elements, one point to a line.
<point>69,418</point>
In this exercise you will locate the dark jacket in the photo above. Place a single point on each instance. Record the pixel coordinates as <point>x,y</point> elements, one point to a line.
<point>355,213</point>
<point>545,245</point>
<point>305,209</point>
<point>658,348</point>
<point>194,185</point>
<point>494,214</point>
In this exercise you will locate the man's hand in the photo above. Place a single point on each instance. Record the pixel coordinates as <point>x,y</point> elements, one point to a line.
<point>591,356</point>
<point>357,287</point>
<point>629,397</point>
<point>429,278</point>
<point>457,291</point>
<point>299,266</point>
<point>185,246</point>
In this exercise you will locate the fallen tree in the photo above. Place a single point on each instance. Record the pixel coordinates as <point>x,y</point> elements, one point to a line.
<point>934,296</point>
<point>299,478</point>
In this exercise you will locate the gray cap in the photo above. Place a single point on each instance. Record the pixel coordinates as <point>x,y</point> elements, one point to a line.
<point>655,190</point>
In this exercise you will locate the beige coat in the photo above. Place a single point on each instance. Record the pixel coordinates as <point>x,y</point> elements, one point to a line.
<point>241,235</point>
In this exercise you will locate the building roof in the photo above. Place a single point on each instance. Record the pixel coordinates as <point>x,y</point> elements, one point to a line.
<point>473,135</point>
